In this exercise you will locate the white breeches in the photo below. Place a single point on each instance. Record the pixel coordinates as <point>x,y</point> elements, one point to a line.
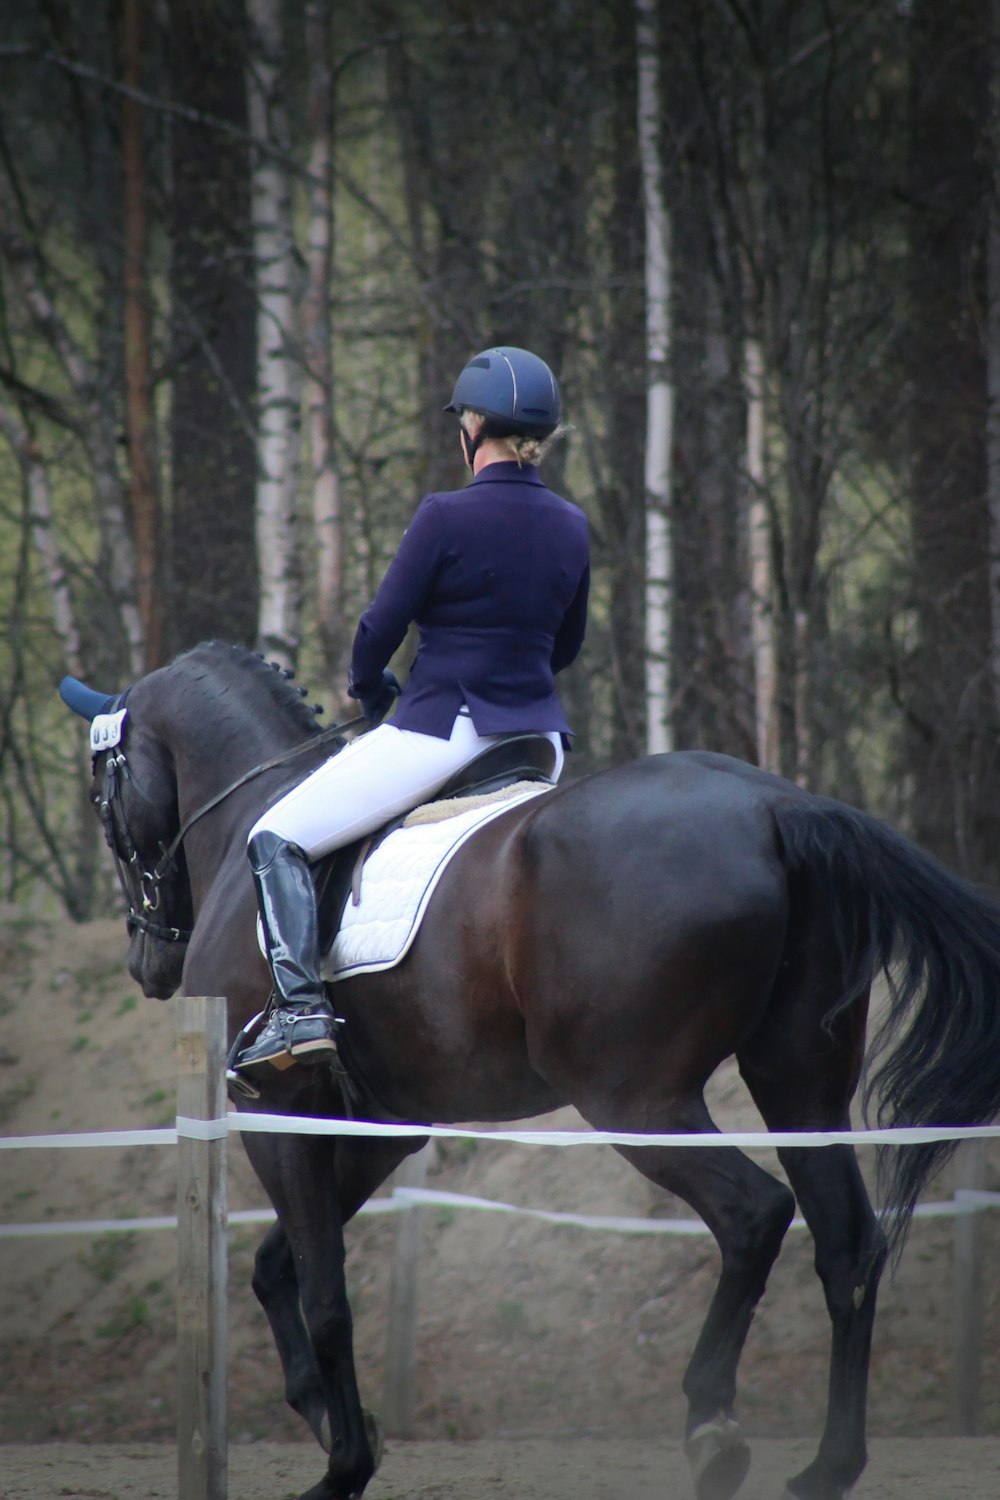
<point>376,777</point>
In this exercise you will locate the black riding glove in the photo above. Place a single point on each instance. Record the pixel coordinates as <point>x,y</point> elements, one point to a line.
<point>378,705</point>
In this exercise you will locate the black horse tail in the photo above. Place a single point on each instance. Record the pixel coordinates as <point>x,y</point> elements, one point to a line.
<point>935,1057</point>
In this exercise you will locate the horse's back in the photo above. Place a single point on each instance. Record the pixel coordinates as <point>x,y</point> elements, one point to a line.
<point>672,834</point>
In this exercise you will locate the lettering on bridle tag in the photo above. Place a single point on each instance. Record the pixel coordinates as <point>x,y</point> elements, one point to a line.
<point>106,730</point>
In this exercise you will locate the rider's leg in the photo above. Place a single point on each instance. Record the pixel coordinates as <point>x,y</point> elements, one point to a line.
<point>377,777</point>
<point>301,1023</point>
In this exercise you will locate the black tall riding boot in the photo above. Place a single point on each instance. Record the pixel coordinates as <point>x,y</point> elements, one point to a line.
<point>300,1025</point>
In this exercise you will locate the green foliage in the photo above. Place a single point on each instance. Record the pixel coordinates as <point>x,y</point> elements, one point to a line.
<point>486,188</point>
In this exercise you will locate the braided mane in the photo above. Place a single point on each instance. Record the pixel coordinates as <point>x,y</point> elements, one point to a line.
<point>268,676</point>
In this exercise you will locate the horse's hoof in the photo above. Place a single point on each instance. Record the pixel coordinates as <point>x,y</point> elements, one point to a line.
<point>373,1432</point>
<point>837,1493</point>
<point>375,1435</point>
<point>788,1494</point>
<point>719,1458</point>
<point>814,1483</point>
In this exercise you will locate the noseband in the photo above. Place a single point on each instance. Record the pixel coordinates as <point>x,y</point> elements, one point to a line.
<point>141,887</point>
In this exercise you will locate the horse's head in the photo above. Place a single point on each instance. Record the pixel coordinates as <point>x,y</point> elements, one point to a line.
<point>190,739</point>
<point>135,793</point>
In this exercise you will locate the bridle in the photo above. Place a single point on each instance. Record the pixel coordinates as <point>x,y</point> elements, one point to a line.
<point>141,887</point>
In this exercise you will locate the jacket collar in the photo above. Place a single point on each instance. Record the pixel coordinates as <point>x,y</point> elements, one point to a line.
<point>507,472</point>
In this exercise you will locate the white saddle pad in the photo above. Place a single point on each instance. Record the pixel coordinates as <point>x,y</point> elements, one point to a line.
<point>397,883</point>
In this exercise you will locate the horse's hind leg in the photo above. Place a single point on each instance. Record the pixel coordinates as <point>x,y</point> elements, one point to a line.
<point>748,1211</point>
<point>850,1252</point>
<point>803,1077</point>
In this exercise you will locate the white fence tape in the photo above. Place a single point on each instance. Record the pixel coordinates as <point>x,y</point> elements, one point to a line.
<point>899,1135</point>
<point>161,1221</point>
<point>167,1136</point>
<point>965,1201</point>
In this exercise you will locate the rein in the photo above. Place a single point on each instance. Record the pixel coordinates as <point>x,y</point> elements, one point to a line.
<point>143,888</point>
<point>268,765</point>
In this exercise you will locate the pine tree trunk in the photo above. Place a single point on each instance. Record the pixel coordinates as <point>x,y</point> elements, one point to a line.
<point>213,586</point>
<point>443,187</point>
<point>993,360</point>
<point>953,748</point>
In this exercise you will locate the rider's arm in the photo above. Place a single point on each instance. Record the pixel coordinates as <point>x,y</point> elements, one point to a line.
<point>400,596</point>
<point>569,637</point>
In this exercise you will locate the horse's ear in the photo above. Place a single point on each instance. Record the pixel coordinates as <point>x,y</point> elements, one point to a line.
<point>83,700</point>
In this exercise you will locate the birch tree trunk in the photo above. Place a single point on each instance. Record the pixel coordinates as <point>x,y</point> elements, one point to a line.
<point>279,382</point>
<point>38,495</point>
<point>660,394</point>
<point>761,582</point>
<point>144,499</point>
<point>621,484</point>
<point>72,867</point>
<point>317,335</point>
<point>99,433</point>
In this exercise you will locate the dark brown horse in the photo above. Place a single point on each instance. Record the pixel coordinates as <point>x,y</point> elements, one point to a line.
<point>606,945</point>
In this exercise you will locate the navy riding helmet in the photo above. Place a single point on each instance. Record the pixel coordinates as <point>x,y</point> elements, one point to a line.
<point>516,392</point>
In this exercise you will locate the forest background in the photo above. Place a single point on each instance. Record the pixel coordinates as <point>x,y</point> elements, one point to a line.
<point>246,246</point>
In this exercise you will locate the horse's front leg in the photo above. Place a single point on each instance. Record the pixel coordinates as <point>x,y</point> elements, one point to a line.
<point>300,1177</point>
<point>361,1167</point>
<point>276,1288</point>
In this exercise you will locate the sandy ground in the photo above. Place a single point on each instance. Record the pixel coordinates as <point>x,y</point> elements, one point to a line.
<point>931,1469</point>
<point>528,1334</point>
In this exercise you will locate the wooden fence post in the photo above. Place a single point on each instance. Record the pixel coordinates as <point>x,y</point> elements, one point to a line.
<point>967,1339</point>
<point>398,1404</point>
<point>201,1251</point>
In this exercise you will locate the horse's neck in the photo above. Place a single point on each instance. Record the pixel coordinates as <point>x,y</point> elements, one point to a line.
<point>233,777</point>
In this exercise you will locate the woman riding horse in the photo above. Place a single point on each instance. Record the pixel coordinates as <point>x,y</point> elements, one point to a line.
<point>496,577</point>
<point>604,946</point>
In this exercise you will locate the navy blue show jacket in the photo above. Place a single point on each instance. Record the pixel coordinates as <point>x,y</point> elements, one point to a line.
<point>496,578</point>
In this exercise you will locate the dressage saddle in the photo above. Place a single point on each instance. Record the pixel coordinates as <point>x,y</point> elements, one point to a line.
<point>517,757</point>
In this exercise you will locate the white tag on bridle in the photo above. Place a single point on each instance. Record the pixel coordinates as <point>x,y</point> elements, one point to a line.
<point>106,730</point>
